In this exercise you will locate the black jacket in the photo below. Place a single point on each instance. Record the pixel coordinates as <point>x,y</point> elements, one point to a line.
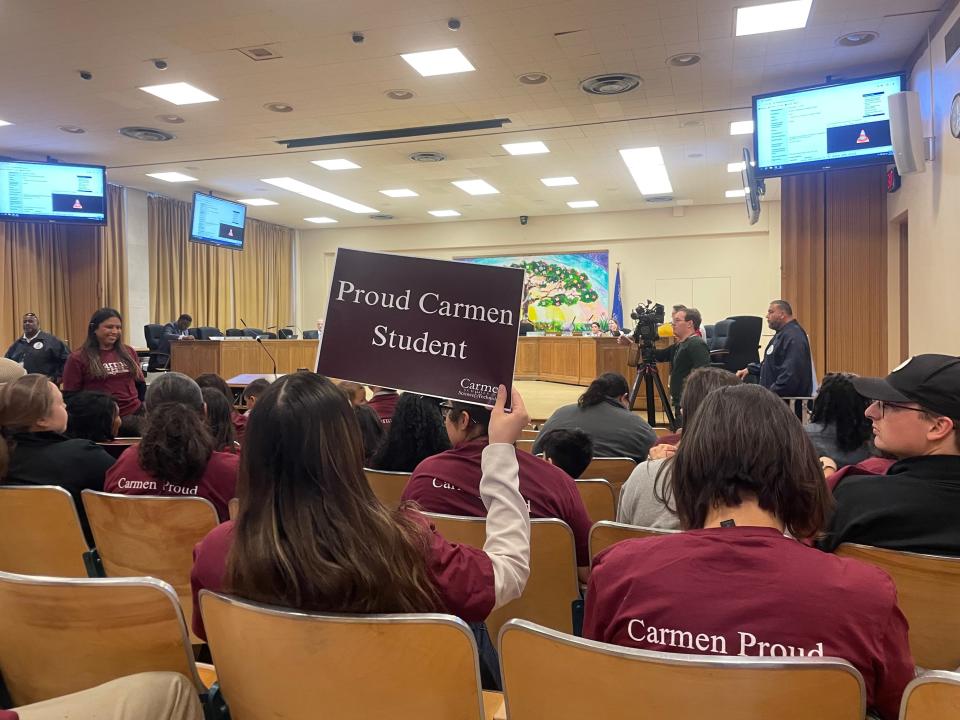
<point>684,357</point>
<point>48,458</point>
<point>914,507</point>
<point>48,359</point>
<point>787,369</point>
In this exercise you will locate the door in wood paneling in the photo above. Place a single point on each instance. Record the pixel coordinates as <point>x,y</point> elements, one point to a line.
<point>904,290</point>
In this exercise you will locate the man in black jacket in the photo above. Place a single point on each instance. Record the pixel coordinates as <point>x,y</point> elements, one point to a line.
<point>916,505</point>
<point>39,352</point>
<point>787,368</point>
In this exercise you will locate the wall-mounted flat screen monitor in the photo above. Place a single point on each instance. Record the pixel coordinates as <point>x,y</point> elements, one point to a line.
<point>53,192</point>
<point>824,127</point>
<point>217,221</point>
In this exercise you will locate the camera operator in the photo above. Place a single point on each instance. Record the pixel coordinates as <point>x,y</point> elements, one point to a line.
<point>684,356</point>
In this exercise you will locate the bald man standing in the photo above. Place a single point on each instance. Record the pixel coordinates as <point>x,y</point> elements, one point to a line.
<point>38,351</point>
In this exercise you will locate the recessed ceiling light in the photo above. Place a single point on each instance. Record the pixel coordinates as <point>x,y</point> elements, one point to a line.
<point>444,213</point>
<point>258,202</point>
<point>773,17</point>
<point>321,220</point>
<point>173,119</point>
<point>438,62</point>
<point>533,78</point>
<point>315,193</point>
<point>172,177</point>
<point>476,187</point>
<point>736,193</point>
<point>735,167</point>
<point>278,107</point>
<point>4,123</point>
<point>338,164</point>
<point>648,170</point>
<point>559,181</point>
<point>400,94</point>
<point>683,59</point>
<point>72,129</point>
<point>741,127</point>
<point>526,148</point>
<point>856,39</point>
<point>180,93</point>
<point>583,204</point>
<point>399,193</point>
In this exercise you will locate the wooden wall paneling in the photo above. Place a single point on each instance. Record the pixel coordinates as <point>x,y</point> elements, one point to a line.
<point>856,271</point>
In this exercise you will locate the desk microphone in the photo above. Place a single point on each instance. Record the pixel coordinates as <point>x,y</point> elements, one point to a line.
<point>259,340</point>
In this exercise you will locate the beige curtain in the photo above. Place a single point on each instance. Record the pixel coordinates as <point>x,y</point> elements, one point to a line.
<point>112,261</point>
<point>214,285</point>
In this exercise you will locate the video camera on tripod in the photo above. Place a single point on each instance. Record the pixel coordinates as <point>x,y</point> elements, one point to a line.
<point>649,317</point>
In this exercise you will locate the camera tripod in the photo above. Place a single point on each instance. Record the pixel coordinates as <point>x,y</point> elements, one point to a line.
<point>647,373</point>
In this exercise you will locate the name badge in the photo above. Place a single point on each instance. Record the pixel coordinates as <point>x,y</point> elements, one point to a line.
<point>770,349</point>
<point>38,345</point>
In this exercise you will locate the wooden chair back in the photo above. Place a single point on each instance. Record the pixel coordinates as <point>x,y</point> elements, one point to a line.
<point>116,447</point>
<point>598,498</point>
<point>928,593</point>
<point>148,536</point>
<point>40,532</point>
<point>550,675</point>
<point>663,431</point>
<point>552,586</point>
<point>276,663</point>
<point>529,434</point>
<point>614,470</point>
<point>387,486</point>
<point>605,533</point>
<point>233,507</point>
<point>525,445</point>
<point>934,695</point>
<point>62,635</point>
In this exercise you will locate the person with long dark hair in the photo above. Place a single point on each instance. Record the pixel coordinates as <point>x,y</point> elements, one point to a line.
<point>92,416</point>
<point>838,427</point>
<point>177,455</point>
<point>220,421</point>
<point>311,535</point>
<point>105,364</point>
<point>734,583</point>
<point>416,433</point>
<point>371,430</point>
<point>214,381</point>
<point>603,413</point>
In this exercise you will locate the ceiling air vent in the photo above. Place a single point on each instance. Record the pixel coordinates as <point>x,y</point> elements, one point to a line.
<point>611,84</point>
<point>659,198</point>
<point>381,216</point>
<point>262,52</point>
<point>428,157</point>
<point>145,134</point>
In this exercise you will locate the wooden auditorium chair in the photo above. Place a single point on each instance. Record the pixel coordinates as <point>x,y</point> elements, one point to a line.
<point>615,470</point>
<point>387,485</point>
<point>547,674</point>
<point>605,533</point>
<point>935,695</point>
<point>598,498</point>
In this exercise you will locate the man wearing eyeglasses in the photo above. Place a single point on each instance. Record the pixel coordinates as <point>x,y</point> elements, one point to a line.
<point>916,505</point>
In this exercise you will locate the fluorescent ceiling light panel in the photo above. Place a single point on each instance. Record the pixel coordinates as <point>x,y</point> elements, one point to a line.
<point>741,127</point>
<point>526,148</point>
<point>444,213</point>
<point>583,204</point>
<point>476,187</point>
<point>438,62</point>
<point>338,164</point>
<point>180,93</point>
<point>172,177</point>
<point>315,193</point>
<point>258,202</point>
<point>4,123</point>
<point>736,193</point>
<point>648,170</point>
<point>773,17</point>
<point>399,193</point>
<point>559,181</point>
<point>321,220</point>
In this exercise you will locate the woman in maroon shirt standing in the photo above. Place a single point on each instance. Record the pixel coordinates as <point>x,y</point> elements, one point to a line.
<point>105,364</point>
<point>734,583</point>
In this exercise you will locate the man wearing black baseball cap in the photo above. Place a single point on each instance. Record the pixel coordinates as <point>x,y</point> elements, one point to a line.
<point>916,505</point>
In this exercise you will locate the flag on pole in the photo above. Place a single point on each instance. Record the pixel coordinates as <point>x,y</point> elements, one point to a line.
<point>617,300</point>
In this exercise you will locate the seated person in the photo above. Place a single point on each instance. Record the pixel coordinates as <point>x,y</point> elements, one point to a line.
<point>416,433</point>
<point>33,448</point>
<point>220,421</point>
<point>733,583</point>
<point>450,482</point>
<point>92,416</point>
<point>371,430</point>
<point>355,392</point>
<point>384,401</point>
<point>595,330</point>
<point>176,456</point>
<point>569,450</point>
<point>173,332</point>
<point>602,412</point>
<point>838,427</point>
<point>212,380</point>
<point>252,391</point>
<point>644,499</point>
<point>331,546</point>
<point>914,507</point>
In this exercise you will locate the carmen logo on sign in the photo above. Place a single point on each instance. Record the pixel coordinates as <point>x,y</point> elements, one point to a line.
<point>435,327</point>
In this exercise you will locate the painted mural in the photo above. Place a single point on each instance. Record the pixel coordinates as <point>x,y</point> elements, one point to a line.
<point>562,292</point>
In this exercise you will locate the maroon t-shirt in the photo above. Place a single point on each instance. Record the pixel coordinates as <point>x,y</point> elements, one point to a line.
<point>119,382</point>
<point>449,483</point>
<point>463,575</point>
<point>751,591</point>
<point>8,715</point>
<point>239,425</point>
<point>384,404</point>
<point>218,483</point>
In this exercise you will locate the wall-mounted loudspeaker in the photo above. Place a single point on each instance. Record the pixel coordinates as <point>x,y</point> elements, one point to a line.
<point>906,132</point>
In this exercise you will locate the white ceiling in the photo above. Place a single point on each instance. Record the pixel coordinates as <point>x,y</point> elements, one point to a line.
<point>337,86</point>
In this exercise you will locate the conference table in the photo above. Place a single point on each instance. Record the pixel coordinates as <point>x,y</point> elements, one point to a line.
<point>229,358</point>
